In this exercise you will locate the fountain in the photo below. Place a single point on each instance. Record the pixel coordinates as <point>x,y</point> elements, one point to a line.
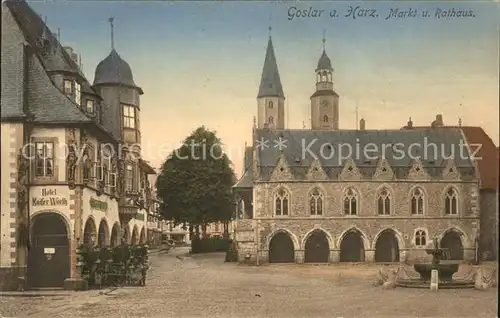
<point>445,271</point>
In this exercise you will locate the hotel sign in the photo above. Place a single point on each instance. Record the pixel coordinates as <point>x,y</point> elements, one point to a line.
<point>48,198</point>
<point>98,205</point>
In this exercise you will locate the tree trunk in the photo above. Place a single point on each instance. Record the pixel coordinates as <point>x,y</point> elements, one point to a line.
<point>226,230</point>
<point>191,232</point>
<point>197,232</point>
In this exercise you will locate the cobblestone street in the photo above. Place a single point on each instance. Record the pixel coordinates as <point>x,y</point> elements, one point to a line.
<point>205,286</point>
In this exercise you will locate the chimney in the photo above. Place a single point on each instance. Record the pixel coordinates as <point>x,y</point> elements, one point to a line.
<point>72,54</point>
<point>409,125</point>
<point>362,124</point>
<point>439,120</point>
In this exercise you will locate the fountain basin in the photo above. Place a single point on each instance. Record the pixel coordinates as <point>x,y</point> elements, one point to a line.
<point>445,271</point>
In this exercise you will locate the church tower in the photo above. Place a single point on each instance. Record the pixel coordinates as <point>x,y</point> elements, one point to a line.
<point>271,99</point>
<point>325,101</point>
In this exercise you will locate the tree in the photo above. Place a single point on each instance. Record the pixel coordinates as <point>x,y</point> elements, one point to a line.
<point>195,182</point>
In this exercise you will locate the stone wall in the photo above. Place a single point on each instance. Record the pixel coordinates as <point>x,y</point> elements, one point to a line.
<point>489,223</point>
<point>299,223</point>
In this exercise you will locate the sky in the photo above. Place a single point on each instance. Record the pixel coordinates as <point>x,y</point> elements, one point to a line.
<point>200,63</point>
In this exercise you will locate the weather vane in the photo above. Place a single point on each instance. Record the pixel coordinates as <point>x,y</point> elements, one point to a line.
<point>324,39</point>
<point>111,20</point>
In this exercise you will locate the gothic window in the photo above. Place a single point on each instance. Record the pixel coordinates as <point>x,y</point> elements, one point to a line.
<point>420,238</point>
<point>241,208</point>
<point>270,104</point>
<point>316,202</point>
<point>325,118</point>
<point>271,120</point>
<point>384,202</point>
<point>350,202</point>
<point>451,202</point>
<point>128,116</point>
<point>417,201</point>
<point>44,159</point>
<point>281,201</point>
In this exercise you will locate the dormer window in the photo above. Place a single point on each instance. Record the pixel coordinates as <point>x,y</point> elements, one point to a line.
<point>89,106</point>
<point>128,116</point>
<point>78,94</point>
<point>68,87</point>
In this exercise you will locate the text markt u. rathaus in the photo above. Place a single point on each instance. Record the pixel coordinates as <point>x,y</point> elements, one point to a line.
<point>53,201</point>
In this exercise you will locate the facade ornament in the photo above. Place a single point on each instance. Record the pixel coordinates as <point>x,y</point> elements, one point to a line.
<point>87,165</point>
<point>71,161</point>
<point>120,176</point>
<point>22,180</point>
<point>22,198</point>
<point>99,172</point>
<point>83,137</point>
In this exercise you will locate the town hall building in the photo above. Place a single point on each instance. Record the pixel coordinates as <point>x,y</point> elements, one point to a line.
<point>304,198</point>
<point>71,172</point>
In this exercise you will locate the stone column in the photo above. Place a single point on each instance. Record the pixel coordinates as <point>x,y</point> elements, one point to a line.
<point>369,256</point>
<point>334,256</point>
<point>299,256</point>
<point>263,257</point>
<point>75,282</point>
<point>434,280</point>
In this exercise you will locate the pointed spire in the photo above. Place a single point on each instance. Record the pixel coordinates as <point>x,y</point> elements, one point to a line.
<point>270,83</point>
<point>324,62</point>
<point>111,19</point>
<point>324,40</point>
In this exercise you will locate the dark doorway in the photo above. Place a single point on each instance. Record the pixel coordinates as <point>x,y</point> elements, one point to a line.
<point>281,249</point>
<point>115,235</point>
<point>48,257</point>
<point>89,232</point>
<point>142,239</point>
<point>317,249</point>
<point>103,234</point>
<point>126,234</point>
<point>453,242</point>
<point>134,236</point>
<point>351,247</point>
<point>386,247</point>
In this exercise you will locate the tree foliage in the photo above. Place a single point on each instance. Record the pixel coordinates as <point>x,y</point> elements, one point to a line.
<point>195,182</point>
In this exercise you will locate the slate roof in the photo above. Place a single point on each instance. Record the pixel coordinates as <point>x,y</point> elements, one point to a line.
<point>324,62</point>
<point>47,103</point>
<point>246,181</point>
<point>114,70</point>
<point>270,83</point>
<point>299,159</point>
<point>489,163</point>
